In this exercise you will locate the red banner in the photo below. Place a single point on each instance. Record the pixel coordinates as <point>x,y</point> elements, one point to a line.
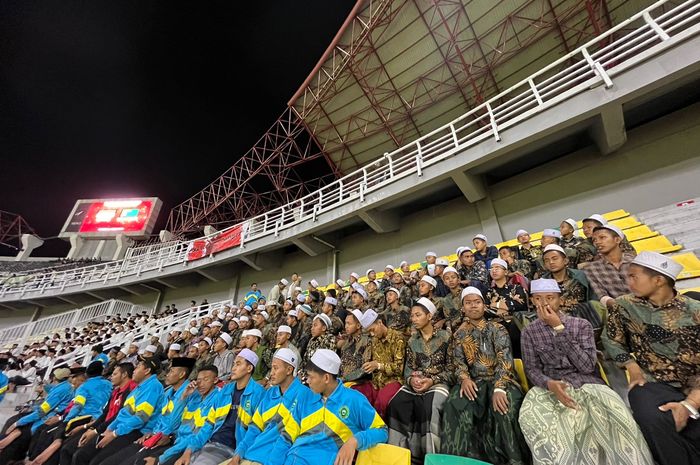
<point>222,241</point>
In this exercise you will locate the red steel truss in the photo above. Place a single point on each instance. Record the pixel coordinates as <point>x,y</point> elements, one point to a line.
<point>12,226</point>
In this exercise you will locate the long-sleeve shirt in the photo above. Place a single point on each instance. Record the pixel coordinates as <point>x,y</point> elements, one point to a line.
<point>3,385</point>
<point>116,400</point>
<point>139,407</point>
<point>321,426</point>
<point>476,272</point>
<point>172,409</point>
<point>223,362</point>
<point>489,254</point>
<point>431,357</point>
<point>482,351</point>
<point>566,356</point>
<point>56,401</point>
<point>389,352</point>
<point>90,398</point>
<point>605,279</point>
<point>512,294</point>
<point>665,340</point>
<point>262,442</point>
<point>452,304</point>
<point>353,354</point>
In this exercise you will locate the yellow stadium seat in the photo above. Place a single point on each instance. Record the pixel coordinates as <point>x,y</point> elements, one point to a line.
<point>626,222</point>
<point>640,232</point>
<point>384,454</point>
<point>659,244</point>
<point>602,374</point>
<point>691,265</point>
<point>443,459</point>
<point>615,215</point>
<point>520,371</point>
<point>690,289</point>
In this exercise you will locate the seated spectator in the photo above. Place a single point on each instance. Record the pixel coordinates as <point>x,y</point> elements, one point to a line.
<point>283,340</point>
<point>654,333</point>
<point>484,252</point>
<point>471,271</point>
<point>426,287</point>
<point>520,271</point>
<point>386,281</point>
<point>204,357</point>
<point>527,251</point>
<point>397,315</point>
<point>506,303</point>
<point>354,352</point>
<point>328,308</point>
<point>587,250</point>
<point>570,416</point>
<point>480,416</point>
<point>375,298</point>
<point>569,238</point>
<point>405,292</point>
<point>253,339</point>
<point>451,302</point>
<point>413,415</point>
<point>321,338</point>
<point>608,272</point>
<point>349,420</point>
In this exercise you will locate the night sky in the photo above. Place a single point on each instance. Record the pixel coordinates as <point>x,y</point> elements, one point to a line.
<point>138,98</point>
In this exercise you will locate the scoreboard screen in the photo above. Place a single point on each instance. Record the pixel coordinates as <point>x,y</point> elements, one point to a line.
<point>105,218</point>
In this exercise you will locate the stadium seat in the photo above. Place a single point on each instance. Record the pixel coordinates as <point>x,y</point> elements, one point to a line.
<point>602,374</point>
<point>384,454</point>
<point>442,459</point>
<point>627,222</point>
<point>520,371</point>
<point>640,232</point>
<point>690,289</point>
<point>691,265</point>
<point>659,244</point>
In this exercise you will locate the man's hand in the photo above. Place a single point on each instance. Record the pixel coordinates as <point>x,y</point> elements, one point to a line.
<point>143,438</point>
<point>558,388</point>
<point>549,316</point>
<point>636,375</point>
<point>86,437</point>
<point>12,427</point>
<point>236,460</point>
<point>415,382</point>
<point>468,388</point>
<point>185,458</point>
<point>370,367</point>
<point>425,384</point>
<point>163,441</point>
<point>189,390</point>
<point>149,460</point>
<point>52,421</point>
<point>346,453</point>
<point>500,402</point>
<point>107,437</point>
<point>76,430</point>
<point>680,414</point>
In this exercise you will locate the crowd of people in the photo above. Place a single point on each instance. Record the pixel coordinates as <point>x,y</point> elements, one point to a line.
<point>422,359</point>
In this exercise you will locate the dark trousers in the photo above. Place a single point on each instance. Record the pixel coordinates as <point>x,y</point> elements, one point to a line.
<point>89,454</point>
<point>18,449</point>
<point>69,448</point>
<point>667,446</point>
<point>134,455</point>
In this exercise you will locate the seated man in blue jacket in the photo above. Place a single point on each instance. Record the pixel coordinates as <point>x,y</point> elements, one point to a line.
<point>338,415</point>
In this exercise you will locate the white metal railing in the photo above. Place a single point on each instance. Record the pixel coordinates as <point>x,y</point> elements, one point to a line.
<point>588,66</point>
<point>36,330</point>
<point>160,327</point>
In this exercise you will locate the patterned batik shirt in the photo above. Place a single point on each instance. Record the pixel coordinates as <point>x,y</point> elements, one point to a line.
<point>376,301</point>
<point>482,351</point>
<point>452,304</point>
<point>605,279</point>
<point>353,354</point>
<point>570,243</point>
<point>573,292</point>
<point>531,254</point>
<point>430,357</point>
<point>477,272</point>
<point>399,319</point>
<point>324,341</point>
<point>512,294</point>
<point>523,267</point>
<point>665,340</point>
<point>390,352</point>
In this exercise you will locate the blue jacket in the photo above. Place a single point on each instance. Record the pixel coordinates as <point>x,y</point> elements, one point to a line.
<point>102,358</point>
<point>90,399</point>
<point>172,409</point>
<point>260,443</point>
<point>56,402</point>
<point>321,426</point>
<point>200,419</point>
<point>139,407</point>
<point>252,394</point>
<point>3,385</point>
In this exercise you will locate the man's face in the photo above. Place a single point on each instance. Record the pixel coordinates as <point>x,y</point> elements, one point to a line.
<point>174,375</point>
<point>295,277</point>
<point>605,241</point>
<point>192,352</point>
<point>547,240</point>
<point>554,261</point>
<point>430,259</point>
<point>205,381</point>
<point>588,227</point>
<point>219,345</point>
<point>357,300</point>
<point>351,325</point>
<point>391,297</point>
<point>291,320</point>
<point>250,341</point>
<point>419,317</point>
<point>203,347</point>
<point>479,244</point>
<point>549,298</point>
<point>120,356</point>
<point>375,329</point>
<point>254,287</point>
<point>140,372</point>
<point>451,280</point>
<point>133,350</point>
<point>371,287</point>
<point>504,253</point>
<point>317,381</point>
<point>467,258</point>
<point>241,367</point>
<point>327,308</point>
<point>565,228</point>
<point>640,283</point>
<point>279,371</point>
<point>497,272</point>
<point>172,354</point>
<point>259,320</point>
<point>523,239</point>
<point>424,288</point>
<point>282,338</point>
<point>396,278</point>
<point>117,377</point>
<point>317,327</point>
<point>372,275</point>
<point>473,307</point>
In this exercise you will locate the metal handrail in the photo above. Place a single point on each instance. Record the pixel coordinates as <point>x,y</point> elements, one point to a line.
<point>588,66</point>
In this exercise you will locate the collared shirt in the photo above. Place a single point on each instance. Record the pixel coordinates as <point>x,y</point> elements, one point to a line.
<point>430,357</point>
<point>324,341</point>
<point>575,289</point>
<point>531,254</point>
<point>452,304</point>
<point>139,407</point>
<point>665,340</point>
<point>223,362</point>
<point>389,352</point>
<point>607,280</point>
<point>376,301</point>
<point>353,354</point>
<point>482,351</point>
<point>571,243</point>
<point>566,356</point>
<point>512,294</point>
<point>476,272</point>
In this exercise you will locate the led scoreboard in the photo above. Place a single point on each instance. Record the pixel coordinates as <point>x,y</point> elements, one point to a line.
<point>107,218</point>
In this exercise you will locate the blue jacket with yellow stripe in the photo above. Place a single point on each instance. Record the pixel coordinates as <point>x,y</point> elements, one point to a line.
<point>322,426</point>
<point>90,398</point>
<point>139,407</point>
<point>252,394</point>
<point>200,419</point>
<point>171,410</point>
<point>3,385</point>
<point>56,402</point>
<point>271,416</point>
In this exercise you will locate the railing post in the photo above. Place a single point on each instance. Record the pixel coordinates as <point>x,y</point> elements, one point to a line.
<point>655,26</point>
<point>340,190</point>
<point>597,68</point>
<point>535,92</point>
<point>391,164</point>
<point>494,126</point>
<point>419,160</point>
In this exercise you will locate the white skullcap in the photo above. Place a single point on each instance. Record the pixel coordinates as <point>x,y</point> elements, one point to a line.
<point>551,233</point>
<point>175,347</point>
<point>229,315</point>
<point>389,267</point>
<point>289,301</point>
<point>236,320</point>
<point>249,355</point>
<point>572,223</point>
<point>248,308</point>
<point>306,309</point>
<point>480,236</point>
<point>470,290</point>
<point>357,314</point>
<point>611,227</point>
<point>431,254</point>
<point>207,340</point>
<point>301,298</point>
<point>245,318</point>
<point>360,290</point>
<point>325,319</point>
<point>462,249</point>
<point>355,275</point>
<point>369,271</point>
<point>124,351</point>
<point>227,338</point>
<point>596,217</point>
<point>340,282</point>
<point>293,313</point>
<point>255,332</point>
<point>520,232</point>
<point>326,360</point>
<point>442,262</point>
<point>369,317</point>
<point>265,315</point>
<point>194,331</point>
<point>331,301</point>
<point>403,263</point>
<point>660,263</point>
<point>287,356</point>
<point>429,280</point>
<point>216,323</point>
<point>313,283</point>
<point>284,281</point>
<point>450,269</point>
<point>284,329</point>
<point>500,262</point>
<point>376,283</point>
<point>554,247</point>
<point>393,289</point>
<point>151,348</point>
<point>544,286</point>
<point>425,302</point>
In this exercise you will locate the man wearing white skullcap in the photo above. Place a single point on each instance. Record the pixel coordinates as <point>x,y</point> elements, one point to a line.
<point>358,296</point>
<point>328,308</point>
<point>263,443</point>
<point>277,291</point>
<point>223,358</point>
<point>587,250</point>
<point>569,238</point>
<point>204,356</point>
<point>321,338</point>
<point>350,412</point>
<point>253,340</point>
<point>560,358</point>
<point>398,314</point>
<point>283,340</point>
<point>527,251</point>
<point>375,299</point>
<point>426,289</point>
<point>506,302</point>
<point>352,351</point>
<point>608,272</point>
<point>480,416</point>
<point>471,271</point>
<point>429,373</point>
<point>484,252</point>
<point>451,302</point>
<point>661,327</point>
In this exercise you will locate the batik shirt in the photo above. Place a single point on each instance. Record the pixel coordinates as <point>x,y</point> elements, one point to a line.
<point>570,243</point>
<point>388,351</point>
<point>399,319</point>
<point>324,341</point>
<point>665,340</point>
<point>573,291</point>
<point>376,301</point>
<point>405,295</point>
<point>512,294</point>
<point>430,357</point>
<point>531,254</point>
<point>477,272</point>
<point>482,351</point>
<point>523,267</point>
<point>353,354</point>
<point>452,304</point>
